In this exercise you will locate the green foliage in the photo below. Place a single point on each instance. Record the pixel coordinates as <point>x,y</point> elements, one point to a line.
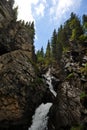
<point>83,38</point>
<point>32,31</point>
<point>54,43</point>
<point>84,69</point>
<point>70,76</point>
<point>69,36</point>
<point>37,81</point>
<point>73,36</point>
<point>80,127</point>
<point>48,55</point>
<point>48,50</point>
<point>76,27</point>
<point>40,57</point>
<point>83,94</point>
<point>85,23</point>
<point>65,49</point>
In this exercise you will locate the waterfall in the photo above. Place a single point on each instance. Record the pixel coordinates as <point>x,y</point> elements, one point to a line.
<point>40,118</point>
<point>49,77</point>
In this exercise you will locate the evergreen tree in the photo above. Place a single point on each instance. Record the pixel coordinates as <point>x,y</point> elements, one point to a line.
<point>32,31</point>
<point>53,44</point>
<point>85,23</point>
<point>42,52</point>
<point>15,13</point>
<point>40,56</point>
<point>60,42</point>
<point>48,50</point>
<point>48,55</point>
<point>68,36</point>
<point>76,27</point>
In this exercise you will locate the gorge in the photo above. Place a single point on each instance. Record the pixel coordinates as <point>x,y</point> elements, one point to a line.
<point>41,92</point>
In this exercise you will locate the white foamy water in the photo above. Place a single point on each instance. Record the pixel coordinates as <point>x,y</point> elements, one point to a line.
<point>40,118</point>
<point>49,77</point>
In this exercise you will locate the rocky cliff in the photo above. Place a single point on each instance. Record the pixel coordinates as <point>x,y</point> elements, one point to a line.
<point>21,90</point>
<point>14,34</point>
<point>69,108</point>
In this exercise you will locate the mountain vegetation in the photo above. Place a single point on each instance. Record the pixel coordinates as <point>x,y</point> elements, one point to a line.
<point>71,35</point>
<point>66,55</point>
<point>28,80</point>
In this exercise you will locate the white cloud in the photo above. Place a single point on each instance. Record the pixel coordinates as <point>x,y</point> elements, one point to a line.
<point>60,8</point>
<point>40,10</point>
<point>31,9</point>
<point>25,11</point>
<point>53,2</point>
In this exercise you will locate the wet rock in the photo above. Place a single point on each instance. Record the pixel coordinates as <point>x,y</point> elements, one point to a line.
<point>55,83</point>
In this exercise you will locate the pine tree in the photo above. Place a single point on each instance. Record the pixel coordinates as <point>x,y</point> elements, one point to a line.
<point>15,13</point>
<point>48,50</point>
<point>48,54</point>
<point>84,18</point>
<point>42,52</point>
<point>53,44</point>
<point>32,31</point>
<point>76,27</point>
<point>40,56</point>
<point>60,43</point>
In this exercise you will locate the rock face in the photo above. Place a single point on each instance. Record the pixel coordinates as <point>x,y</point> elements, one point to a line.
<point>14,35</point>
<point>21,90</point>
<point>65,111</point>
<point>19,94</point>
<point>69,108</point>
<point>6,13</point>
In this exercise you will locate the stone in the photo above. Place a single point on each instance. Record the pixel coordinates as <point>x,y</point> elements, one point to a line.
<point>65,111</point>
<point>20,93</point>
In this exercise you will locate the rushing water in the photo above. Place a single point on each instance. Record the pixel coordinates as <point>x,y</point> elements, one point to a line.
<point>40,119</point>
<point>49,77</point>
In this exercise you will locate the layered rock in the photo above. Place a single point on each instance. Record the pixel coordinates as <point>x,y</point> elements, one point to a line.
<point>65,111</point>
<point>69,108</point>
<point>20,93</point>
<point>14,34</point>
<point>6,13</point>
<point>21,90</point>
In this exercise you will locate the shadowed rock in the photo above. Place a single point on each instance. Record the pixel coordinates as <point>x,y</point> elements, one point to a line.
<point>20,93</point>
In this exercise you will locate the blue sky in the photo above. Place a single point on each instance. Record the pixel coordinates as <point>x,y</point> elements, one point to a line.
<point>47,15</point>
